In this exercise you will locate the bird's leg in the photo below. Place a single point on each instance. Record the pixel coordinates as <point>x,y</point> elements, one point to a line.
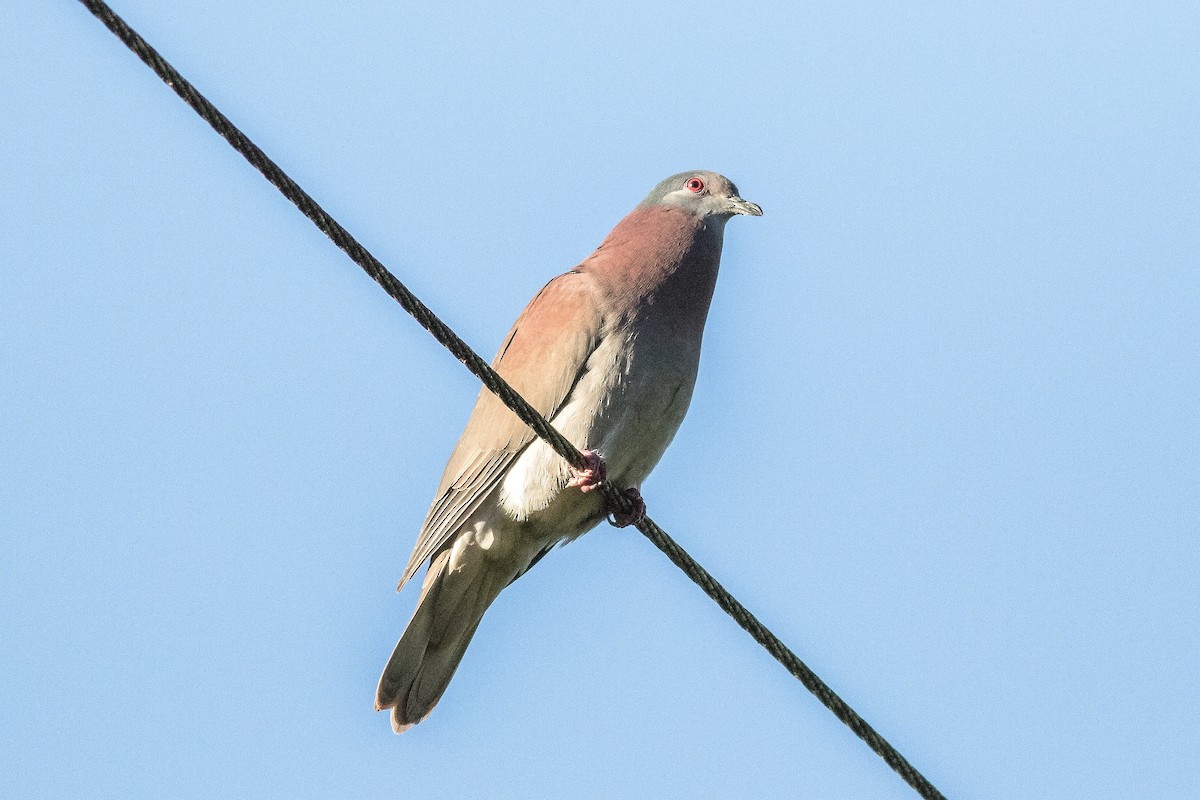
<point>593,474</point>
<point>633,517</point>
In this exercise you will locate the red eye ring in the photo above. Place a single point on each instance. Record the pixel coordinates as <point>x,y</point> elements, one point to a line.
<point>694,185</point>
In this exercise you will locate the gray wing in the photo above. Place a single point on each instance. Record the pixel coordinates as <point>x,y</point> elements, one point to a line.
<point>542,358</point>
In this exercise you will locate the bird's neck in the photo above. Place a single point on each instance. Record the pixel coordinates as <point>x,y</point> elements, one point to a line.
<point>661,259</point>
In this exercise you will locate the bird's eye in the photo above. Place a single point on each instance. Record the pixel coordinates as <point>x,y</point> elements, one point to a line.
<point>694,185</point>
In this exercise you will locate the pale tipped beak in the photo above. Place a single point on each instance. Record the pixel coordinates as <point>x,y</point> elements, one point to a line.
<point>739,206</point>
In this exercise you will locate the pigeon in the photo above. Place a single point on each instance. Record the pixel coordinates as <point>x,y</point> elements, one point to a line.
<point>607,352</point>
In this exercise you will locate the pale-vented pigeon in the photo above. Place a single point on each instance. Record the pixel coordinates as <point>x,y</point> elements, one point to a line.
<point>608,353</point>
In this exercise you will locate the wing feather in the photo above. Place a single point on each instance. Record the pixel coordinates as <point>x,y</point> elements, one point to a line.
<point>542,358</point>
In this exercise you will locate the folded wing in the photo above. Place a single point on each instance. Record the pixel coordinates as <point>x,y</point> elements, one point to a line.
<point>542,358</point>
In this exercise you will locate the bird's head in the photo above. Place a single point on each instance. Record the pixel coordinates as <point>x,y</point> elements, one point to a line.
<point>703,193</point>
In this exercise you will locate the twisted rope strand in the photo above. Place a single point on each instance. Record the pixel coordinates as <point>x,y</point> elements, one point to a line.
<point>617,499</point>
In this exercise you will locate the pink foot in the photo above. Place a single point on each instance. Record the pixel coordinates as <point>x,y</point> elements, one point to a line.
<point>633,517</point>
<point>592,476</point>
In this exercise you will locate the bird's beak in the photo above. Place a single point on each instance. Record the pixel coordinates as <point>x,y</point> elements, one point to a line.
<point>739,206</point>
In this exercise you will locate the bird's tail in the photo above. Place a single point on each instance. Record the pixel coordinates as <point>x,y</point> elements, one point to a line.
<point>452,604</point>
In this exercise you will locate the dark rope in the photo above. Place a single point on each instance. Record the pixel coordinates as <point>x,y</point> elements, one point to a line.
<point>617,499</point>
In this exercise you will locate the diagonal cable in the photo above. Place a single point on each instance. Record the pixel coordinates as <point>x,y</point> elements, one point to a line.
<point>496,384</point>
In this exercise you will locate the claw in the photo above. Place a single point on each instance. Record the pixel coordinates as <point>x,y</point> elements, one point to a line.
<point>634,517</point>
<point>592,476</point>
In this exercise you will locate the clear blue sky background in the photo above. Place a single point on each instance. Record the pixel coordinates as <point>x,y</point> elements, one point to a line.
<point>946,439</point>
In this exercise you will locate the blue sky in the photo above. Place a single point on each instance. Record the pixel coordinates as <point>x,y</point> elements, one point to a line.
<point>945,439</point>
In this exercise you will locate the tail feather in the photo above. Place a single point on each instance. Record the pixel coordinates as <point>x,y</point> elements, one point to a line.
<point>452,604</point>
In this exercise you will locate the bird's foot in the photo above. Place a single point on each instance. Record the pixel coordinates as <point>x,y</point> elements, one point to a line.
<point>622,520</point>
<point>593,474</point>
